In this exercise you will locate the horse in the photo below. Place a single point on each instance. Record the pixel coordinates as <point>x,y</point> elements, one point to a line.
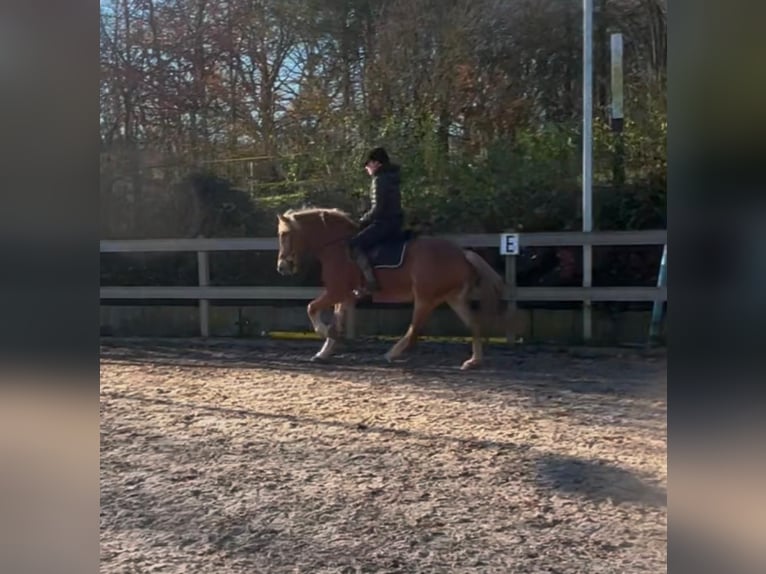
<point>423,270</point>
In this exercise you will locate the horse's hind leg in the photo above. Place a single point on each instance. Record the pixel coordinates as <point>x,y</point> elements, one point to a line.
<point>459,304</point>
<point>420,314</point>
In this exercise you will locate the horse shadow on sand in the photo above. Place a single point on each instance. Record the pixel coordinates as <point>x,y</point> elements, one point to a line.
<point>598,481</point>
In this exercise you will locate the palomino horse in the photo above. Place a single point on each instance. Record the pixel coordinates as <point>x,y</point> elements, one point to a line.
<point>431,271</point>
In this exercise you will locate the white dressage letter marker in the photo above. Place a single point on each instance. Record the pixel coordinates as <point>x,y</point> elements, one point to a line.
<point>509,244</point>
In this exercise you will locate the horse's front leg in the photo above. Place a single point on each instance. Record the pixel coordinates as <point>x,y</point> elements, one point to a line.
<point>335,331</point>
<point>340,318</point>
<point>331,332</point>
<point>314,310</point>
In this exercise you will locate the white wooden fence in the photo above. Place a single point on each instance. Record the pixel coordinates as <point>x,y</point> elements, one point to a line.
<point>204,292</point>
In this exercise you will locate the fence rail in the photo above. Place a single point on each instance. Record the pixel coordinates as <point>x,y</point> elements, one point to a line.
<point>306,293</point>
<point>204,292</point>
<point>542,239</point>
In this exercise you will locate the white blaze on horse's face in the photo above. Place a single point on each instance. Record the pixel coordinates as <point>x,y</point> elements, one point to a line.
<point>286,261</point>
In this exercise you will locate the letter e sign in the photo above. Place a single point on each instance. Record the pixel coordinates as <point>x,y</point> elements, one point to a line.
<point>509,244</point>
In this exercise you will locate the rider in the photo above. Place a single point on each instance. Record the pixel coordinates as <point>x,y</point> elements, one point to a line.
<point>385,217</point>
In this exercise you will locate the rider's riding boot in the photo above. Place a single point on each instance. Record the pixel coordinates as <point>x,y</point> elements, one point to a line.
<point>369,276</point>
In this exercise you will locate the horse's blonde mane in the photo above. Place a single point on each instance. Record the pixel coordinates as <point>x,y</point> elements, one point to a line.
<point>294,217</point>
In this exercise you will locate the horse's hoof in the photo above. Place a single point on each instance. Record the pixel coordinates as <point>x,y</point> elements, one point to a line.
<point>318,359</point>
<point>470,364</point>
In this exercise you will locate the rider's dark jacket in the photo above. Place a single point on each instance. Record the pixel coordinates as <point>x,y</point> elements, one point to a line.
<point>385,197</point>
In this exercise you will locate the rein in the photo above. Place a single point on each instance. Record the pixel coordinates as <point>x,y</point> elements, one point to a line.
<point>330,243</point>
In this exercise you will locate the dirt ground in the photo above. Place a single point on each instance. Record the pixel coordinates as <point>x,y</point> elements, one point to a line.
<point>230,457</point>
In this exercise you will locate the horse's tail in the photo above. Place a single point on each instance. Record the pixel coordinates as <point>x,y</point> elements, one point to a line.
<point>491,287</point>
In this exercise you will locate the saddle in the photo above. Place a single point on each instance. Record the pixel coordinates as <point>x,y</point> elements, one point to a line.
<point>390,253</point>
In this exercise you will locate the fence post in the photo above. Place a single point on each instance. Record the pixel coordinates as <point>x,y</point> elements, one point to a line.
<point>203,272</point>
<point>587,282</point>
<point>510,290</point>
<point>350,320</point>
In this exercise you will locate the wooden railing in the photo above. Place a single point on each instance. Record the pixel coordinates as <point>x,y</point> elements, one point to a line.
<point>204,292</point>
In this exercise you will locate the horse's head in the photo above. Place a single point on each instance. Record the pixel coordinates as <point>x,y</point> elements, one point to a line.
<point>290,245</point>
<point>311,230</point>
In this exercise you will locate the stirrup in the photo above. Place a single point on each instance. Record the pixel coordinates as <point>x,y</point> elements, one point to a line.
<point>364,291</point>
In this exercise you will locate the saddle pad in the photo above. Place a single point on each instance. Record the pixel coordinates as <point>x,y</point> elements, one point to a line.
<point>388,255</point>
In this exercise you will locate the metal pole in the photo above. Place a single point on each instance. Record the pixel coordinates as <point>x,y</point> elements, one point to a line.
<point>587,160</point>
<point>617,88</point>
<point>511,314</point>
<point>618,168</point>
<point>654,328</point>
